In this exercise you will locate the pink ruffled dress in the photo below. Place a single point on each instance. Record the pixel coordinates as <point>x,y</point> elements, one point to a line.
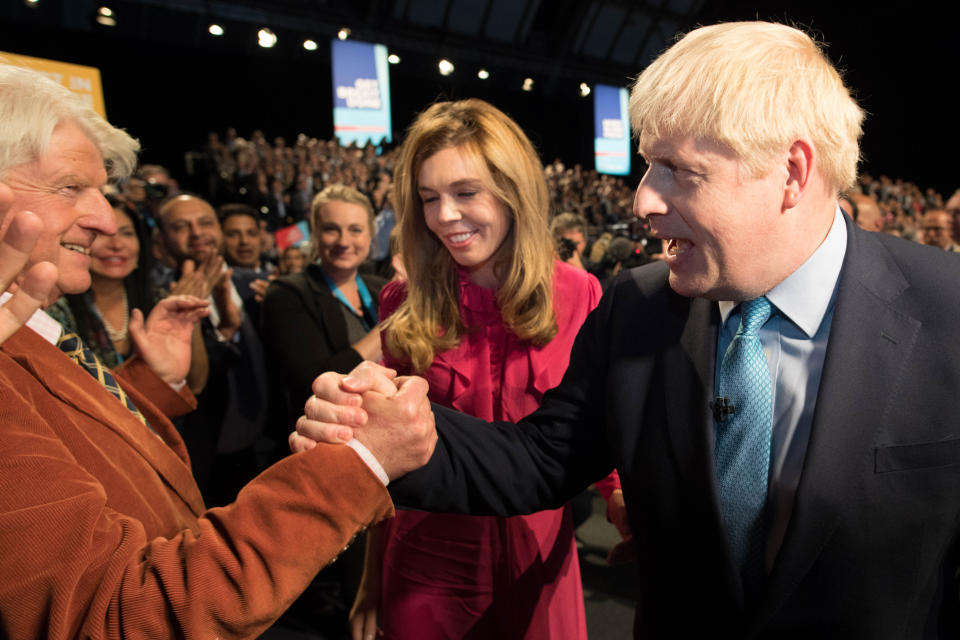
<point>454,576</point>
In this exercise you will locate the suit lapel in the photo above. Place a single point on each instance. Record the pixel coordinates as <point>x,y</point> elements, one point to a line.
<point>76,388</point>
<point>868,335</point>
<point>688,376</point>
<point>324,307</point>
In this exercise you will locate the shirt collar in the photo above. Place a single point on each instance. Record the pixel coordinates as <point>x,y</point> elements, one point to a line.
<point>48,328</point>
<point>805,295</point>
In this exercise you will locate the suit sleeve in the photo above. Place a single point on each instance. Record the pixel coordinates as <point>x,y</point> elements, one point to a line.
<point>171,403</point>
<point>507,469</point>
<point>83,569</point>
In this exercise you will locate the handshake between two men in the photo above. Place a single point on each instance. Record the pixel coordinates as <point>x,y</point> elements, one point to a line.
<point>389,415</point>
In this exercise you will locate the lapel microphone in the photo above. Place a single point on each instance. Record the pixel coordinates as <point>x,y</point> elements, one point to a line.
<point>722,408</point>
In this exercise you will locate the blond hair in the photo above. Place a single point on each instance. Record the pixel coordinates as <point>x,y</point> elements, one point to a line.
<point>334,193</point>
<point>428,321</point>
<point>31,107</point>
<point>754,87</point>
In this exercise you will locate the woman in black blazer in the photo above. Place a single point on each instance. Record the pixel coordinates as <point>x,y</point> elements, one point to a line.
<point>324,318</point>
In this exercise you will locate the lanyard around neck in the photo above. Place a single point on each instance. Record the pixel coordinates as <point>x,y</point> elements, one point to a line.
<point>366,300</point>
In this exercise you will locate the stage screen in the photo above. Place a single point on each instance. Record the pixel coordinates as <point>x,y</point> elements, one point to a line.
<point>361,92</point>
<point>611,140</point>
<point>84,81</point>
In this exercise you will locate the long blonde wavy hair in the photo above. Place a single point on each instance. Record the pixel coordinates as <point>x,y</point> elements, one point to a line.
<point>428,321</point>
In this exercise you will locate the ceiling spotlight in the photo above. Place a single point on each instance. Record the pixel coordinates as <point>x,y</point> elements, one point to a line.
<point>266,38</point>
<point>31,3</point>
<point>445,67</point>
<point>310,45</point>
<point>344,33</point>
<point>584,89</point>
<point>528,84</point>
<point>105,17</point>
<point>215,29</point>
<point>393,58</point>
<point>483,74</point>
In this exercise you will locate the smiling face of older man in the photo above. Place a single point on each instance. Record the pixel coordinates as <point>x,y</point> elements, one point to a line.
<point>62,187</point>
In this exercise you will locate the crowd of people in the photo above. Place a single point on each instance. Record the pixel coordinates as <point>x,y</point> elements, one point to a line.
<point>457,257</point>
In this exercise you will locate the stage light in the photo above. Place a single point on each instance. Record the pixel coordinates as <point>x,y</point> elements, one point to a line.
<point>483,74</point>
<point>310,45</point>
<point>266,38</point>
<point>445,67</point>
<point>106,17</point>
<point>584,89</point>
<point>215,29</point>
<point>528,84</point>
<point>393,58</point>
<point>344,33</point>
<point>31,3</point>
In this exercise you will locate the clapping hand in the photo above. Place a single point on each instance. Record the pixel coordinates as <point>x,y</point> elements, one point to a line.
<point>163,341</point>
<point>198,280</point>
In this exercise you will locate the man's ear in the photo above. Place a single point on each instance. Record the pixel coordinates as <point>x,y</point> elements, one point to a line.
<point>800,160</point>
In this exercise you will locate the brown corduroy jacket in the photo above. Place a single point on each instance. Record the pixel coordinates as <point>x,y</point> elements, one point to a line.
<point>103,531</point>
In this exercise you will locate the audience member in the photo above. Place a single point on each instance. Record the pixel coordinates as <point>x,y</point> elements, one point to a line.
<point>292,260</point>
<point>269,259</point>
<point>240,225</point>
<point>224,434</point>
<point>326,317</point>
<point>570,234</point>
<point>938,230</point>
<point>867,214</point>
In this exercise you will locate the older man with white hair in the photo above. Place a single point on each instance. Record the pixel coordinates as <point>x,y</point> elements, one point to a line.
<point>779,395</point>
<point>103,530</point>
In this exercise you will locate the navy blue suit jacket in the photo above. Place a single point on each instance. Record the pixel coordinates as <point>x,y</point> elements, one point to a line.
<point>871,549</point>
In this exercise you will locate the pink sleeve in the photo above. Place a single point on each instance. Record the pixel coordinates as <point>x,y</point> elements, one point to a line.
<point>608,485</point>
<point>391,297</point>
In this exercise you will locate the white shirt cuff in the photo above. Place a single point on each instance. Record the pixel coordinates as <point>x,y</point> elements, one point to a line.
<point>370,459</point>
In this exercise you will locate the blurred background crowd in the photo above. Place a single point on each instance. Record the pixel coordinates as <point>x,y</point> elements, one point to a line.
<point>593,211</point>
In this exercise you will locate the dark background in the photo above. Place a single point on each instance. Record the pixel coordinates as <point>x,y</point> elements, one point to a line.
<point>169,83</point>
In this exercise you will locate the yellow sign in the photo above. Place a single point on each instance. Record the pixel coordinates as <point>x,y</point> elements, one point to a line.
<point>84,81</point>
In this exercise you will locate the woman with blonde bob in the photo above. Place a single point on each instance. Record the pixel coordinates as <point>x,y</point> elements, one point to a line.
<point>488,317</point>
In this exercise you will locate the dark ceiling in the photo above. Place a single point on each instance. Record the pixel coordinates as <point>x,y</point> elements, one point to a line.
<point>160,59</point>
<point>597,40</point>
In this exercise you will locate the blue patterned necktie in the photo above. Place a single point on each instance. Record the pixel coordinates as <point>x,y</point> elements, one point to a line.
<point>743,437</point>
<point>72,345</point>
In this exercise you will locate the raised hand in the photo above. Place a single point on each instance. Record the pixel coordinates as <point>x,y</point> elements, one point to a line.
<point>164,340</point>
<point>36,284</point>
<point>259,287</point>
<point>198,280</point>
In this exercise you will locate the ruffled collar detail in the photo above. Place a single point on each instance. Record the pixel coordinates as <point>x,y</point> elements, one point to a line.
<point>479,300</point>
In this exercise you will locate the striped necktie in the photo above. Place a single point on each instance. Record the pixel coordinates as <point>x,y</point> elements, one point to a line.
<point>72,345</point>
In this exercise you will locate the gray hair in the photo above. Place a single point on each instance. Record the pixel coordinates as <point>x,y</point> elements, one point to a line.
<point>31,107</point>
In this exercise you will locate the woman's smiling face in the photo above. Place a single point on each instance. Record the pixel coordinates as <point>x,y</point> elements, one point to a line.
<point>462,211</point>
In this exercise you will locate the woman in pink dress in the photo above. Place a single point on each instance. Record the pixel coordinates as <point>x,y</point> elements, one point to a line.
<point>488,317</point>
